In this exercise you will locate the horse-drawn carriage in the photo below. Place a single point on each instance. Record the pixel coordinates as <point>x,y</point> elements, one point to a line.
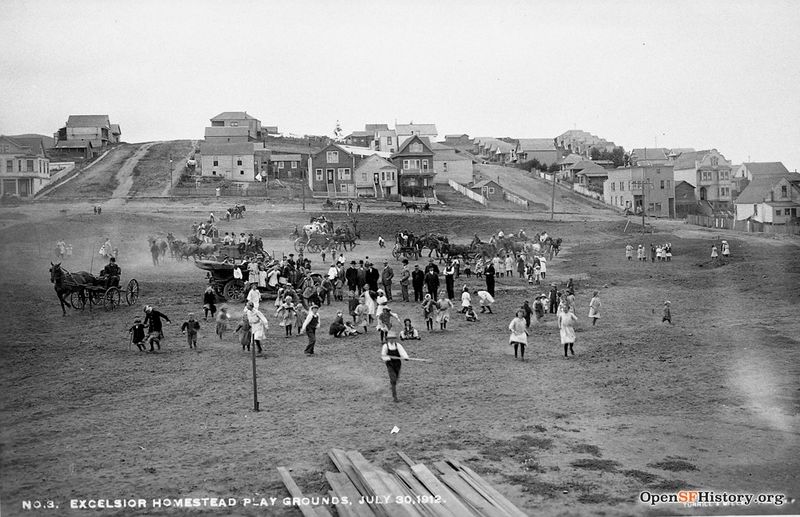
<point>84,289</point>
<point>222,279</point>
<point>320,235</point>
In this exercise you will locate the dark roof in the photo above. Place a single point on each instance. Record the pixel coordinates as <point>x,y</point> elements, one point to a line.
<point>224,149</point>
<point>115,129</point>
<point>236,115</point>
<point>593,170</point>
<point>73,144</point>
<point>689,160</point>
<point>425,142</point>
<point>766,168</point>
<point>88,121</point>
<point>376,127</point>
<point>758,189</point>
<point>581,165</point>
<point>360,133</point>
<point>284,158</point>
<point>227,131</point>
<point>47,141</point>
<point>33,143</point>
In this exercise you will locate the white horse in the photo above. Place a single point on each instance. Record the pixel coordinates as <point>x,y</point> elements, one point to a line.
<point>315,227</point>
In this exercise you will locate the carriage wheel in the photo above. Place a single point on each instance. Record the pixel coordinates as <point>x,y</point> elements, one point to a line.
<point>94,296</point>
<point>132,292</point>
<point>234,290</point>
<point>78,299</point>
<point>299,244</point>
<point>111,298</point>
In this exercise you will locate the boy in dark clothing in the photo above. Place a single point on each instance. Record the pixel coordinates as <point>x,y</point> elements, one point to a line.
<point>190,328</point>
<point>137,334</point>
<point>667,313</point>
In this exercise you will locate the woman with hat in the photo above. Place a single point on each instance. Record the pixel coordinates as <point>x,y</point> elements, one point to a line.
<point>391,353</point>
<point>288,314</point>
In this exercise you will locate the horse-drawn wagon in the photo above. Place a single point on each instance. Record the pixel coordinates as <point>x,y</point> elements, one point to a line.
<point>84,289</point>
<point>222,279</point>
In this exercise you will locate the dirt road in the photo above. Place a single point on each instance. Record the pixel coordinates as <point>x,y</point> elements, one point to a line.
<point>124,177</point>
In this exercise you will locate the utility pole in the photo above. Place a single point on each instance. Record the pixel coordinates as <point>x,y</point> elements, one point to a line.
<point>643,183</point>
<point>255,387</point>
<point>303,181</point>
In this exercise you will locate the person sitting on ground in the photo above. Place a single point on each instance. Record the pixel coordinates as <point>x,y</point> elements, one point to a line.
<point>110,273</point>
<point>408,332</point>
<point>469,314</point>
<point>338,328</point>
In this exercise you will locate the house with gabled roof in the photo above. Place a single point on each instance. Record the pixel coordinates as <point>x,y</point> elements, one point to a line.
<point>649,156</point>
<point>377,177</point>
<point>592,175</point>
<point>450,164</point>
<point>96,129</point>
<point>360,138</point>
<point>542,149</point>
<point>489,189</point>
<point>414,158</point>
<point>234,161</point>
<point>406,131</point>
<point>743,174</point>
<point>332,169</point>
<point>710,173</point>
<point>770,199</point>
<point>24,166</point>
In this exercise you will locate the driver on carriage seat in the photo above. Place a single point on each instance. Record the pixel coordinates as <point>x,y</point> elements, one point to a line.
<point>110,274</point>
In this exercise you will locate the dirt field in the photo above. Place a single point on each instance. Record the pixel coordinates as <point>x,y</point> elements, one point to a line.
<point>711,402</point>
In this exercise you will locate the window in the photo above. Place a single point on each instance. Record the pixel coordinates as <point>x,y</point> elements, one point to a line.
<point>778,211</point>
<point>405,164</point>
<point>343,187</point>
<point>658,207</point>
<point>612,186</point>
<point>363,176</point>
<point>622,186</point>
<point>714,161</point>
<point>332,156</point>
<point>215,163</point>
<point>491,190</point>
<point>755,209</point>
<point>444,166</point>
<point>658,171</point>
<point>9,165</point>
<point>424,165</point>
<point>388,140</point>
<point>383,175</point>
<point>213,173</point>
<point>416,147</point>
<point>723,175</point>
<point>662,184</point>
<point>234,123</point>
<point>651,207</point>
<point>344,174</point>
<point>294,165</point>
<point>668,184</point>
<point>318,174</point>
<point>787,212</point>
<point>239,163</point>
<point>241,173</point>
<point>784,191</point>
<point>280,165</point>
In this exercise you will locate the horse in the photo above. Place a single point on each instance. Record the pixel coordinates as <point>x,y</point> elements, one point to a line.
<point>66,283</point>
<point>433,242</point>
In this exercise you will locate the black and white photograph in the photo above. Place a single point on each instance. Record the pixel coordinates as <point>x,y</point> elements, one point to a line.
<point>452,258</point>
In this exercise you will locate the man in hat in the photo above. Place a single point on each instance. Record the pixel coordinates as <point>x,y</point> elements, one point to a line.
<point>351,277</point>
<point>432,281</point>
<point>432,266</point>
<point>361,276</point>
<point>391,353</point>
<point>372,275</point>
<point>386,279</point>
<point>405,279</point>
<point>310,326</point>
<point>111,273</point>
<point>152,320</point>
<point>417,281</point>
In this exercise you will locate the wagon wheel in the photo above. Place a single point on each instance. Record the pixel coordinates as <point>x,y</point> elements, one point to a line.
<point>132,292</point>
<point>396,251</point>
<point>78,299</point>
<point>234,290</point>
<point>95,296</point>
<point>299,244</point>
<point>111,298</point>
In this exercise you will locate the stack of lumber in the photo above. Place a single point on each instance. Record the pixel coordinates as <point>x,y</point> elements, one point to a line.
<point>450,489</point>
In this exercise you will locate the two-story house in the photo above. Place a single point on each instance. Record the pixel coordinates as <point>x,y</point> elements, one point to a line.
<point>376,177</point>
<point>406,131</point>
<point>97,130</point>
<point>234,161</point>
<point>542,149</point>
<point>743,174</point>
<point>770,199</point>
<point>333,169</point>
<point>384,140</point>
<point>650,156</point>
<point>651,186</point>
<point>24,167</point>
<point>414,158</point>
<point>710,173</point>
<point>360,138</point>
<point>449,164</point>
<point>239,119</point>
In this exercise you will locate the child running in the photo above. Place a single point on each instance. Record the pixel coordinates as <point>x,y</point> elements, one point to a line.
<point>190,328</point>
<point>519,334</point>
<point>427,312</point>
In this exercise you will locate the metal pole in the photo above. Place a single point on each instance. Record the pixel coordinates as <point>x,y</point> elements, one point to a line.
<point>255,386</point>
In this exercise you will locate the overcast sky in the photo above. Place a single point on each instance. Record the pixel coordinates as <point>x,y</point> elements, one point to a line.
<point>702,74</point>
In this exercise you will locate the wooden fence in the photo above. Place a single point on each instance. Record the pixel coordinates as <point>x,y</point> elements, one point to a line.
<point>580,189</point>
<point>461,189</point>
<point>513,198</point>
<point>748,225</point>
<point>710,222</point>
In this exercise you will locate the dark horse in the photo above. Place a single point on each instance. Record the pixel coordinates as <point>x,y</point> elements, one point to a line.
<point>65,283</point>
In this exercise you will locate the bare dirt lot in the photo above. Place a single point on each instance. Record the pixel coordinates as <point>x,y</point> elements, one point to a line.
<point>711,402</point>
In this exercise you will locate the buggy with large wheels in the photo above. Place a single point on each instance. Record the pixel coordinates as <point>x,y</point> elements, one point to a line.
<point>109,297</point>
<point>407,252</point>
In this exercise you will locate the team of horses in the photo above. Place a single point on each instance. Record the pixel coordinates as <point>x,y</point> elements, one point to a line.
<point>496,246</point>
<point>416,207</point>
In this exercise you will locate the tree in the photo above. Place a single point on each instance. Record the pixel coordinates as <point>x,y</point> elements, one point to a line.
<point>595,154</point>
<point>553,168</point>
<point>337,132</point>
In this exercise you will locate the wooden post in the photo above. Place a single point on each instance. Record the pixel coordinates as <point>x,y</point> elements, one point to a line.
<point>553,198</point>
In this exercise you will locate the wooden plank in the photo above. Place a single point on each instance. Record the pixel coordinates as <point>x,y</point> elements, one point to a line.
<point>339,458</point>
<point>374,481</point>
<point>510,507</point>
<point>471,497</point>
<point>406,458</point>
<point>436,487</point>
<point>343,510</point>
<point>295,491</point>
<point>322,511</point>
<point>418,489</point>
<point>343,487</point>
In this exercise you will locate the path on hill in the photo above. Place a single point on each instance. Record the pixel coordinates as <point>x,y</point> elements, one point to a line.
<point>540,191</point>
<point>125,176</point>
<point>177,169</point>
